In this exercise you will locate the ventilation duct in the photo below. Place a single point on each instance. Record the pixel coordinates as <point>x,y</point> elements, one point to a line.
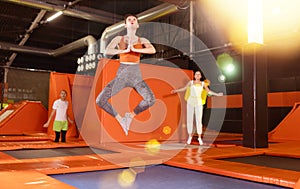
<point>89,41</point>
<point>148,15</point>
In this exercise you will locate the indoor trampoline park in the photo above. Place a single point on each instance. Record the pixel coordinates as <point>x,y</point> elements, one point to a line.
<point>149,94</point>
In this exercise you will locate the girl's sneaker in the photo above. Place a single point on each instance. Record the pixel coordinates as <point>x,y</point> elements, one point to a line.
<point>200,141</point>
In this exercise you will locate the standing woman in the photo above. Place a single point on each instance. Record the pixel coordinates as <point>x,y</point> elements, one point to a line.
<point>194,104</point>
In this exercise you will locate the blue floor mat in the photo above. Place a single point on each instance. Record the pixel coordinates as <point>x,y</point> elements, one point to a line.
<point>158,177</point>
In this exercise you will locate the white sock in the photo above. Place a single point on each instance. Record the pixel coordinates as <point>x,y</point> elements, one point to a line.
<point>200,141</point>
<point>131,115</point>
<point>119,118</point>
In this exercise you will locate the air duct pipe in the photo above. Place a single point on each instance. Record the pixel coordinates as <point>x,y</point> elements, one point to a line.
<point>89,41</point>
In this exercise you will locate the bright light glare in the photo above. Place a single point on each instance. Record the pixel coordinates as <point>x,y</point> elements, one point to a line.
<point>221,78</point>
<point>54,16</point>
<point>255,21</point>
<point>276,10</point>
<point>229,68</point>
<point>280,21</point>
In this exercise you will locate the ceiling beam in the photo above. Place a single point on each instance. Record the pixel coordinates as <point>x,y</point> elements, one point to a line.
<point>181,4</point>
<point>80,12</point>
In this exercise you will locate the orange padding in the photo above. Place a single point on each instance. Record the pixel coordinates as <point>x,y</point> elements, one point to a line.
<point>23,117</point>
<point>160,122</point>
<point>278,99</point>
<point>58,82</point>
<point>297,185</point>
<point>289,127</point>
<point>211,161</point>
<point>283,99</point>
<point>30,180</point>
<point>232,101</point>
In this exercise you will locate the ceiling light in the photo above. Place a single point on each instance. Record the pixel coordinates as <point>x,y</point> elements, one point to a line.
<point>255,22</point>
<point>54,16</point>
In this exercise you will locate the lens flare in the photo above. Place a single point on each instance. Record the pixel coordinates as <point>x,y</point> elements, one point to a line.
<point>167,130</point>
<point>222,78</point>
<point>137,165</point>
<point>152,147</point>
<point>126,178</point>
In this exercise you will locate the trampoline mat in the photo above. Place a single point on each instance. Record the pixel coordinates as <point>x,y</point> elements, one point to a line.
<point>156,177</point>
<point>55,152</point>
<point>286,163</point>
<point>236,142</point>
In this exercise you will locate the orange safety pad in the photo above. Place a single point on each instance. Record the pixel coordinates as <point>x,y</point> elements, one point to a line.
<point>80,95</point>
<point>284,149</point>
<point>297,185</point>
<point>232,101</point>
<point>30,180</point>
<point>23,117</point>
<point>26,137</point>
<point>283,99</point>
<point>161,121</point>
<point>289,127</point>
<point>58,82</point>
<point>59,165</point>
<point>278,99</point>
<point>210,160</point>
<point>34,144</point>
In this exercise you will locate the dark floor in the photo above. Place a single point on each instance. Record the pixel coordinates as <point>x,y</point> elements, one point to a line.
<point>54,152</point>
<point>269,161</point>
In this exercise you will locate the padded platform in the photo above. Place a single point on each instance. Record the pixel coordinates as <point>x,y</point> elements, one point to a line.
<point>23,117</point>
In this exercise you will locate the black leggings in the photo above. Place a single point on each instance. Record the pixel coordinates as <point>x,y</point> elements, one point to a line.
<point>62,134</point>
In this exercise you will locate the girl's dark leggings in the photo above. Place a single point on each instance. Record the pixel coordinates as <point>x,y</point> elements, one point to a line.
<point>61,134</point>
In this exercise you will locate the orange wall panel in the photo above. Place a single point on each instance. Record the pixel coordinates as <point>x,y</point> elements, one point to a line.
<point>58,82</point>
<point>283,99</point>
<point>276,99</point>
<point>100,127</point>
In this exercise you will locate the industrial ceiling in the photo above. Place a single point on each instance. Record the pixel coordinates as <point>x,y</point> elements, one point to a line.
<point>27,40</point>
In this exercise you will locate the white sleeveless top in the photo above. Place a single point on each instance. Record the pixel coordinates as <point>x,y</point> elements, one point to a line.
<point>195,94</point>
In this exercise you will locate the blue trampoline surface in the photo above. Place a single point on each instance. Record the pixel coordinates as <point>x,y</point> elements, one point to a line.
<point>158,177</point>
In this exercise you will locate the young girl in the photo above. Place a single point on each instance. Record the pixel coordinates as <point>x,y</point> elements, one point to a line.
<point>60,125</point>
<point>194,104</point>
